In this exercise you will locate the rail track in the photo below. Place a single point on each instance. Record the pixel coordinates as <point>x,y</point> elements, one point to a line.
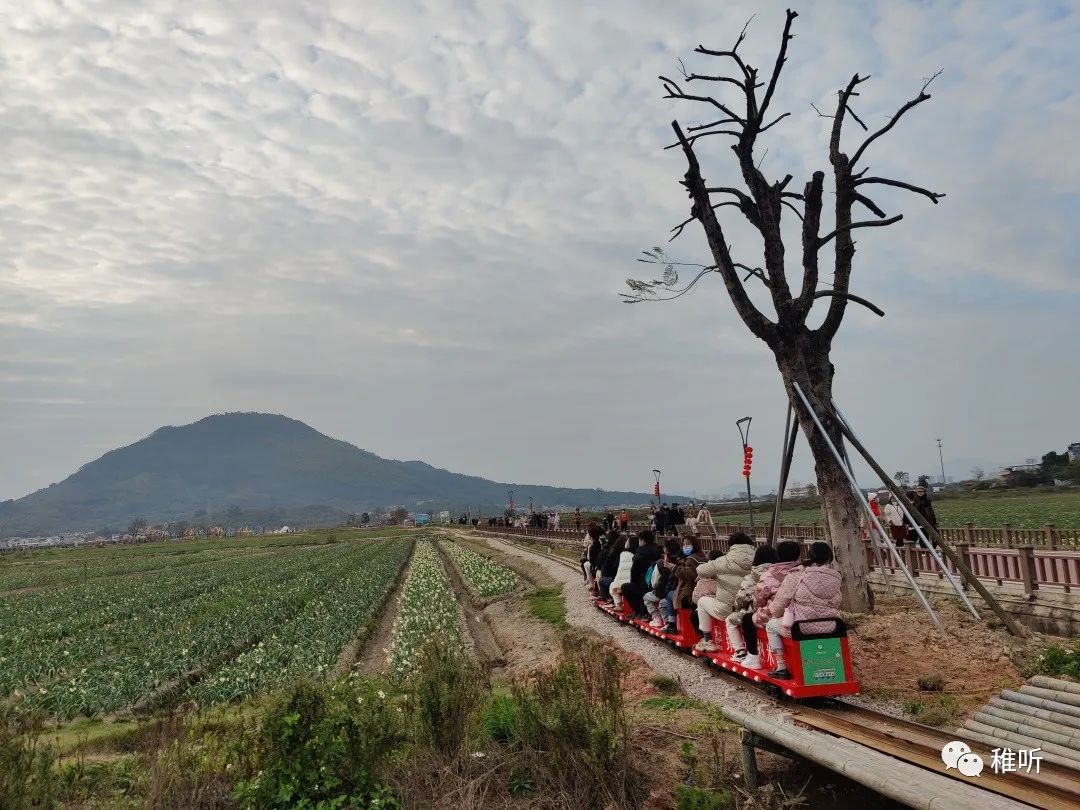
<point>1053,787</point>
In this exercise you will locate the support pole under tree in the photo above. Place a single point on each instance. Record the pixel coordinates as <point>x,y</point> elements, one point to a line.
<point>862,502</point>
<point>791,430</point>
<point>1006,619</point>
<point>744,435</point>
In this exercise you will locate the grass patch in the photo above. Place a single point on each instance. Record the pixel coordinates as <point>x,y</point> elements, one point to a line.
<point>548,604</point>
<point>1056,660</point>
<point>88,733</point>
<point>666,685</point>
<point>672,703</point>
<point>935,709</point>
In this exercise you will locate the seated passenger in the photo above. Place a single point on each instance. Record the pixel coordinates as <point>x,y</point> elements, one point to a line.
<point>728,572</point>
<point>662,582</point>
<point>645,558</point>
<point>685,576</point>
<point>622,576</point>
<point>590,552</point>
<point>812,593</point>
<point>609,563</point>
<point>744,604</point>
<point>787,560</point>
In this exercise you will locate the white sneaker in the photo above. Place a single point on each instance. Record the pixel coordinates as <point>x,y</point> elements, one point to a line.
<point>752,662</point>
<point>739,655</point>
<point>656,624</point>
<point>705,646</point>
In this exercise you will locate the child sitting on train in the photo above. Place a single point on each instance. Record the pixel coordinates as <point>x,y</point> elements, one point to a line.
<point>743,614</point>
<point>728,572</point>
<point>787,560</point>
<point>811,593</point>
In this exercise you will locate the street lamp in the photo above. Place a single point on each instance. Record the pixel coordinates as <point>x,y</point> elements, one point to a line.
<point>748,459</point>
<point>510,497</point>
<point>941,459</point>
<point>656,487</point>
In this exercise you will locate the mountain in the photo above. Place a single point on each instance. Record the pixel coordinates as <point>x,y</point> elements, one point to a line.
<point>253,468</point>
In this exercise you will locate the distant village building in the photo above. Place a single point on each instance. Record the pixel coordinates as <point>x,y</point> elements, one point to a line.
<point>1074,451</point>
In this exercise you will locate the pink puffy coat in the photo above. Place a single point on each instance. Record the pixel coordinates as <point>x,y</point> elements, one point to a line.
<point>813,593</point>
<point>767,587</point>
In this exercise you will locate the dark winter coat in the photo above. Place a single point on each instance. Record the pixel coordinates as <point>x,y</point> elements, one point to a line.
<point>645,556</point>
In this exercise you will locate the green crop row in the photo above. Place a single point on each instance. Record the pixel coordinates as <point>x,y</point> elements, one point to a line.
<point>310,642</point>
<point>486,577</point>
<point>428,611</point>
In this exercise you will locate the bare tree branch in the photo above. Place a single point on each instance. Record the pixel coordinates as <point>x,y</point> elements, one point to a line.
<point>674,91</point>
<point>885,181</point>
<point>774,122</point>
<point>870,204</point>
<point>753,272</point>
<point>919,99</point>
<point>678,229</point>
<point>798,213</point>
<point>871,223</point>
<point>850,297</point>
<point>711,124</point>
<point>755,321</point>
<point>781,58</point>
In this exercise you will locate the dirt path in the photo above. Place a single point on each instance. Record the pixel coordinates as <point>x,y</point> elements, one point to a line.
<point>484,648</point>
<point>365,637</point>
<point>369,657</point>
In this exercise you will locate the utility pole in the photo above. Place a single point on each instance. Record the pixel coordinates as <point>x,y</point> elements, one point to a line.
<point>941,459</point>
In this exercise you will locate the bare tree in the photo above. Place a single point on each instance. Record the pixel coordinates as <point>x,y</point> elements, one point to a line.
<point>978,473</point>
<point>801,351</point>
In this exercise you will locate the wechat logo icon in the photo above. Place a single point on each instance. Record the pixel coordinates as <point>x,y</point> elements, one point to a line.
<point>957,754</point>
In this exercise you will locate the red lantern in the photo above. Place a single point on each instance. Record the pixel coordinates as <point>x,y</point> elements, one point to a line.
<point>656,489</point>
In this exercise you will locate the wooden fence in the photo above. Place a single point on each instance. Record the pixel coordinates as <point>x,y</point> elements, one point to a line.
<point>1049,536</point>
<point>1026,565</point>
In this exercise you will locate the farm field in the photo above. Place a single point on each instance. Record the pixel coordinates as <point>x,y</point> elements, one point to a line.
<point>428,610</point>
<point>104,630</point>
<point>487,578</point>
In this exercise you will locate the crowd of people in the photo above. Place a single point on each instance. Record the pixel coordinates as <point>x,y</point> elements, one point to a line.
<point>746,588</point>
<point>894,519</point>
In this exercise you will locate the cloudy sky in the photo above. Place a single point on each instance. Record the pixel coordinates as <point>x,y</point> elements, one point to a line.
<point>406,223</point>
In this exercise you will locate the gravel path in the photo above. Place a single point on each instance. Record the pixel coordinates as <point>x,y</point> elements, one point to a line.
<point>697,681</point>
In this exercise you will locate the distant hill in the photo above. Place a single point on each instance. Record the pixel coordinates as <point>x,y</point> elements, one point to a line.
<point>259,468</point>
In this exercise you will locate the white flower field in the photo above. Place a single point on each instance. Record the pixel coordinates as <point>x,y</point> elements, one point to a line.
<point>486,577</point>
<point>428,611</point>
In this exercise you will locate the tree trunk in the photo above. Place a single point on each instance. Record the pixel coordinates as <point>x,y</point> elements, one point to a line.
<point>808,364</point>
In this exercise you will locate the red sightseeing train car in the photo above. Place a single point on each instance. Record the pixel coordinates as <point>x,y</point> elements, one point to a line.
<point>819,663</point>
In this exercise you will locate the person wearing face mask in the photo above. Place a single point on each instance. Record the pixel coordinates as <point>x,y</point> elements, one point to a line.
<point>685,578</point>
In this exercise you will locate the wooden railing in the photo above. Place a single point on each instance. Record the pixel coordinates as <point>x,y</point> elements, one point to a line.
<point>1005,536</point>
<point>1024,565</point>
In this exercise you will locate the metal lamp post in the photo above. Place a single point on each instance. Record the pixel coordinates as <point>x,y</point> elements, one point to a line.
<point>656,487</point>
<point>748,456</point>
<point>941,460</point>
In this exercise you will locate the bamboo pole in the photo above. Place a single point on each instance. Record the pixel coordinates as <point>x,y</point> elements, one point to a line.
<point>791,431</point>
<point>1010,623</point>
<point>1040,703</point>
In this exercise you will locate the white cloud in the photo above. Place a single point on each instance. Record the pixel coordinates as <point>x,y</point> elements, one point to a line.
<point>337,210</point>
